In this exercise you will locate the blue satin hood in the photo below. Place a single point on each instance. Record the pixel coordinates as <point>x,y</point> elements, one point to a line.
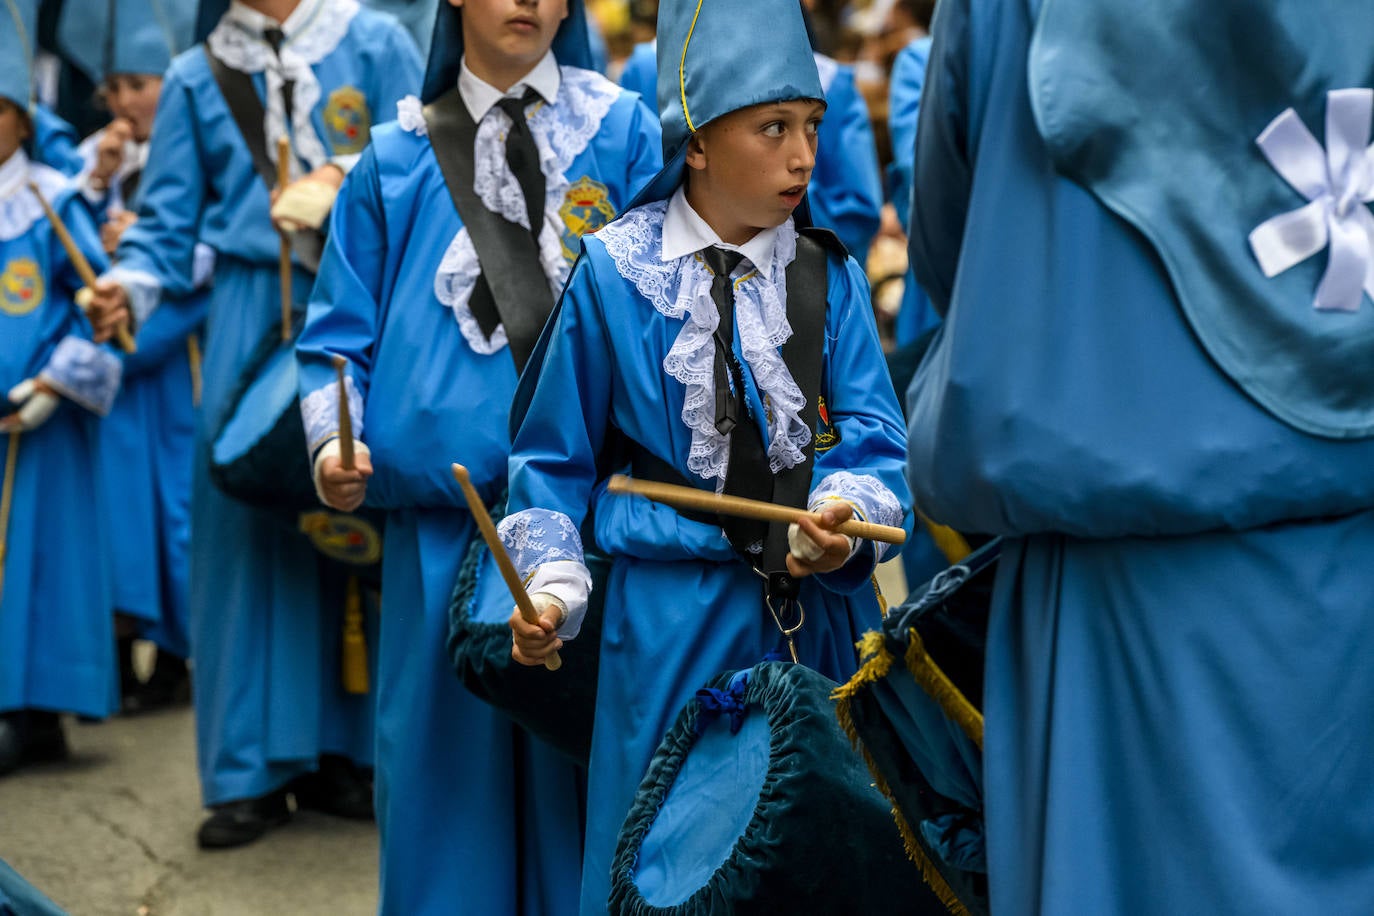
<point>17,38</point>
<point>125,36</point>
<point>1156,107</point>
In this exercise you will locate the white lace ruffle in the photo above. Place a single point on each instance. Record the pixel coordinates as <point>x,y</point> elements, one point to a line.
<point>322,25</point>
<point>538,536</point>
<point>871,499</point>
<point>410,115</point>
<point>681,289</point>
<point>320,412</point>
<point>19,209</point>
<point>561,132</point>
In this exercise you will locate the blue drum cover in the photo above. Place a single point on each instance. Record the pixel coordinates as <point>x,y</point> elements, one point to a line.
<point>755,802</point>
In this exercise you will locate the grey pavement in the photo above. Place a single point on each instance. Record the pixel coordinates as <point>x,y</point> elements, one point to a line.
<point>111,832</point>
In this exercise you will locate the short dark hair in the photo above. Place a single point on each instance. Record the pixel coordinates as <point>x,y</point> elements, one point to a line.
<point>920,10</point>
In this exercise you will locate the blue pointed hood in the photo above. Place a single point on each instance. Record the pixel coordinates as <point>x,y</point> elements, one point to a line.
<point>571,46</point>
<point>18,19</point>
<point>718,56</point>
<point>125,36</point>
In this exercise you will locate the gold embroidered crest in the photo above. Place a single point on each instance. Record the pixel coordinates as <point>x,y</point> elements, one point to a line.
<point>827,437</point>
<point>347,121</point>
<point>586,208</point>
<point>346,538</point>
<point>21,287</point>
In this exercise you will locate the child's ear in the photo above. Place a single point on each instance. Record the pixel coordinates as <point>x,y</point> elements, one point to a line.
<point>696,152</point>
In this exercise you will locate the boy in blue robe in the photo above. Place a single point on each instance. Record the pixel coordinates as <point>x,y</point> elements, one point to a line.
<point>271,715</point>
<point>55,625</point>
<point>147,438</point>
<point>403,295</point>
<point>648,357</point>
<point>846,192</point>
<point>1146,382</point>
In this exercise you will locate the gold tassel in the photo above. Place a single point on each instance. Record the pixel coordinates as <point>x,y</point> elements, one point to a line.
<point>949,542</point>
<point>843,697</point>
<point>194,356</point>
<point>942,690</point>
<point>354,640</point>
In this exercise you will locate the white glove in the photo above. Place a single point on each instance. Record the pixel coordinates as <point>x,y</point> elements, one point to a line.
<point>34,405</point>
<point>807,550</point>
<point>304,204</point>
<point>542,601</point>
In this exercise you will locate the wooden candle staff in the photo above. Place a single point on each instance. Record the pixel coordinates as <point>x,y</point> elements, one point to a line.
<point>498,550</point>
<point>6,500</point>
<point>122,337</point>
<point>739,507</point>
<point>345,419</point>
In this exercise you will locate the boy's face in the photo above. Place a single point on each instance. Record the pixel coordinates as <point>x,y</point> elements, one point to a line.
<point>133,97</point>
<point>14,128</point>
<point>510,32</point>
<point>750,168</point>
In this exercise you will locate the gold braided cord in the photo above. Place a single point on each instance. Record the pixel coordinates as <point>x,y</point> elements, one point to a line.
<point>681,67</point>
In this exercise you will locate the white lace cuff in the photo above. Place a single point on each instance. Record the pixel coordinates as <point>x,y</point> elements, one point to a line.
<point>143,289</point>
<point>866,494</point>
<point>84,372</point>
<point>410,115</point>
<point>202,266</point>
<point>320,413</point>
<point>346,162</point>
<point>571,584</point>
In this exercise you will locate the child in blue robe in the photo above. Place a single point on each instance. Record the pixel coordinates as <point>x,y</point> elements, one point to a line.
<point>56,636</point>
<point>1176,689</point>
<point>916,316</point>
<point>474,817</point>
<point>147,439</point>
<point>631,362</point>
<point>266,631</point>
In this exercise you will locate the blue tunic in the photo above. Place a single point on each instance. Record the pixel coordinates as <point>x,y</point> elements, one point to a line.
<point>255,590</point>
<point>640,73</point>
<point>56,629</point>
<point>846,193</point>
<point>680,606</point>
<point>461,828</point>
<point>904,106</point>
<point>1171,654</point>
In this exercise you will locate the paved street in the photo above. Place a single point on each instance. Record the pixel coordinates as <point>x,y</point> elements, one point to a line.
<point>112,833</point>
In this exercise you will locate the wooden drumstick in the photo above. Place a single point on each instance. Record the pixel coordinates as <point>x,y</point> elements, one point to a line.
<point>739,507</point>
<point>284,252</point>
<point>122,337</point>
<point>6,500</point>
<point>498,550</point>
<point>345,419</point>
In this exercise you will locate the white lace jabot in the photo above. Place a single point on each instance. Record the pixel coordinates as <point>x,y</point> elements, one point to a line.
<point>680,289</point>
<point>313,30</point>
<point>685,232</point>
<point>19,209</point>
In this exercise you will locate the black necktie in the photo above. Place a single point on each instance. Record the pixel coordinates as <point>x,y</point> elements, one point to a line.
<point>723,264</point>
<point>275,38</point>
<point>522,155</point>
<point>128,187</point>
<point>748,473</point>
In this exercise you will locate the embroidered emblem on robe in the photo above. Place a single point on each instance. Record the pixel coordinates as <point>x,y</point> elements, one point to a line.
<point>827,437</point>
<point>346,538</point>
<point>347,121</point>
<point>586,208</point>
<point>21,287</point>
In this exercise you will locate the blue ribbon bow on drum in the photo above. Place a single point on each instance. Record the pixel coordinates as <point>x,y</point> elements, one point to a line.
<point>915,707</point>
<point>756,803</point>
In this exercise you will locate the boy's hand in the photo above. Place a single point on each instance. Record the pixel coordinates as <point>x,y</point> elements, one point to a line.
<point>108,309</point>
<point>109,152</point>
<point>305,203</point>
<point>534,642</point>
<point>112,230</point>
<point>818,547</point>
<point>341,489</point>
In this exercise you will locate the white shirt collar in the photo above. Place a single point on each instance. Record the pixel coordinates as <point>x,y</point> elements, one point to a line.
<point>13,172</point>
<point>252,21</point>
<point>685,232</point>
<point>479,96</point>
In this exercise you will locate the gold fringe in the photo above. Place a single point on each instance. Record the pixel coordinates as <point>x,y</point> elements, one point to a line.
<point>354,662</point>
<point>843,697</point>
<point>950,542</point>
<point>878,590</point>
<point>874,664</point>
<point>193,355</point>
<point>942,690</point>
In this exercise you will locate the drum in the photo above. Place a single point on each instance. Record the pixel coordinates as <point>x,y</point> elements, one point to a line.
<point>755,802</point>
<point>556,706</point>
<point>258,456</point>
<point>915,708</point>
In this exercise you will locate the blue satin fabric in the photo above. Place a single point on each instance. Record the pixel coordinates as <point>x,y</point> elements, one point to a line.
<point>1170,707</point>
<point>1184,170</point>
<point>260,724</point>
<point>56,629</point>
<point>475,817</point>
<point>125,36</point>
<point>602,364</point>
<point>20,898</point>
<point>640,73</point>
<point>904,105</point>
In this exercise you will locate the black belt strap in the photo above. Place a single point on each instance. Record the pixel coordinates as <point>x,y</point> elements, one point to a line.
<point>241,96</point>
<point>508,252</point>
